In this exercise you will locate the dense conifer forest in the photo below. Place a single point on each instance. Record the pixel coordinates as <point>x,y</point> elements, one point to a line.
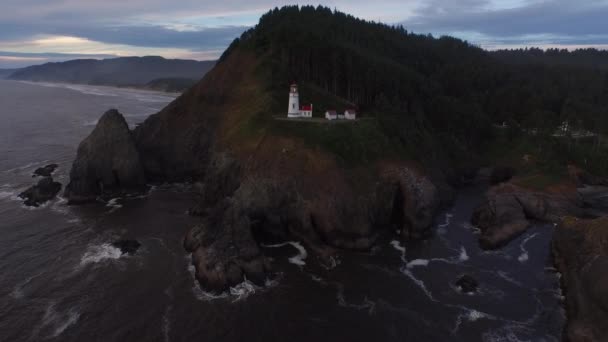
<point>436,93</point>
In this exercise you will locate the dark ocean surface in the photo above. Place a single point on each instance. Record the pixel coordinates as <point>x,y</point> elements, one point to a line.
<point>61,280</point>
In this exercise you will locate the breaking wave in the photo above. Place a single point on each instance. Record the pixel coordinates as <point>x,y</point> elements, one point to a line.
<point>297,259</point>
<point>99,253</point>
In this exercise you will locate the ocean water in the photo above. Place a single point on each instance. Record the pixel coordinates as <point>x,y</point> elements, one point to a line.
<point>61,280</point>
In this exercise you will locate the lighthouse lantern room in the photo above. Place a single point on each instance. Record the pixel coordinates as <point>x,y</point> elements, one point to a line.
<point>294,102</point>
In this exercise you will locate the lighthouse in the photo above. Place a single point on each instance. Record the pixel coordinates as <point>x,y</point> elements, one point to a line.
<point>294,102</point>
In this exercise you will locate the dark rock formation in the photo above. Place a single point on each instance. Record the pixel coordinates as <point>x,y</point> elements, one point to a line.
<point>501,174</point>
<point>45,171</point>
<point>107,162</point>
<point>44,191</point>
<point>240,212</point>
<point>580,251</point>
<point>508,209</point>
<point>127,246</point>
<point>406,200</point>
<point>467,284</point>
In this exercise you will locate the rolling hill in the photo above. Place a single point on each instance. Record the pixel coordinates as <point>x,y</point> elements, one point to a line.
<point>123,71</point>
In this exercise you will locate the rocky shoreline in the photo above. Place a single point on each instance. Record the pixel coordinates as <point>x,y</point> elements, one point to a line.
<point>238,209</point>
<point>580,253</point>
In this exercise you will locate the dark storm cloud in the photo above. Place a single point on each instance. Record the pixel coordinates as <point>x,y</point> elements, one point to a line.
<point>158,36</point>
<point>570,22</point>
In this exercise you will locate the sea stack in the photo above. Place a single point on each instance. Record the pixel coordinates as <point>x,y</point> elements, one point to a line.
<point>107,162</point>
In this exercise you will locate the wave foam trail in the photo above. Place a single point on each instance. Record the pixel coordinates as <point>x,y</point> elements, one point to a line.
<point>463,254</point>
<point>113,203</point>
<point>100,253</point>
<point>418,282</point>
<point>8,195</point>
<point>417,262</point>
<point>397,245</point>
<point>470,315</point>
<point>166,328</point>
<point>448,219</point>
<point>59,321</point>
<point>523,257</point>
<point>296,260</point>
<point>237,293</point>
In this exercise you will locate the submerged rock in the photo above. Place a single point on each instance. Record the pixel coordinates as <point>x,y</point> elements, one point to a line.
<point>501,174</point>
<point>467,284</point>
<point>580,253</point>
<point>44,191</point>
<point>45,171</point>
<point>127,246</point>
<point>107,162</point>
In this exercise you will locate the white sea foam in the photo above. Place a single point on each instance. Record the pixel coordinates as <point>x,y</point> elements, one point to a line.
<point>166,328</point>
<point>418,282</point>
<point>417,262</point>
<point>334,261</point>
<point>470,315</point>
<point>463,254</point>
<point>58,321</point>
<point>26,166</point>
<point>236,293</point>
<point>99,253</point>
<point>469,226</point>
<point>504,275</point>
<point>297,259</point>
<point>8,195</point>
<point>367,304</point>
<point>113,203</point>
<point>523,257</point>
<point>17,292</point>
<point>397,245</point>
<point>448,219</point>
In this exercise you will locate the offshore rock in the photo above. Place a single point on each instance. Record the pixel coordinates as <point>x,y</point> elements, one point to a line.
<point>45,171</point>
<point>107,162</point>
<point>44,191</point>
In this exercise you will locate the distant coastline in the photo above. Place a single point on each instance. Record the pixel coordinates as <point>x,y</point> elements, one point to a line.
<point>147,73</point>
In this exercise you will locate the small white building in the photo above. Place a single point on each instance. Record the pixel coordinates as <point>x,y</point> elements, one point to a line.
<point>331,115</point>
<point>306,111</point>
<point>350,114</point>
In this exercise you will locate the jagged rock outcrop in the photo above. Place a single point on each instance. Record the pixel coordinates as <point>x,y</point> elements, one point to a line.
<point>407,200</point>
<point>127,246</point>
<point>44,191</point>
<point>508,209</point>
<point>580,252</point>
<point>241,210</point>
<point>467,284</point>
<point>45,171</point>
<point>107,162</point>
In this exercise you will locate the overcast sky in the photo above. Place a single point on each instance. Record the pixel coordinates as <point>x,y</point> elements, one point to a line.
<point>38,31</point>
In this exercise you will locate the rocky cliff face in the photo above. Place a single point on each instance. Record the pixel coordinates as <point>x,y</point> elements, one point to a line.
<point>508,210</point>
<point>580,250</point>
<point>241,210</point>
<point>255,186</point>
<point>107,162</point>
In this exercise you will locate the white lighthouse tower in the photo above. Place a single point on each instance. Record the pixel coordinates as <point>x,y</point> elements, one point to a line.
<point>294,102</point>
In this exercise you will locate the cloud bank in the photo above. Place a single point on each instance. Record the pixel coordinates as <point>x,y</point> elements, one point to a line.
<point>38,30</point>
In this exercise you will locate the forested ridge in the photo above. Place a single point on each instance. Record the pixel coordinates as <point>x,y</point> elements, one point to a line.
<point>424,91</point>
